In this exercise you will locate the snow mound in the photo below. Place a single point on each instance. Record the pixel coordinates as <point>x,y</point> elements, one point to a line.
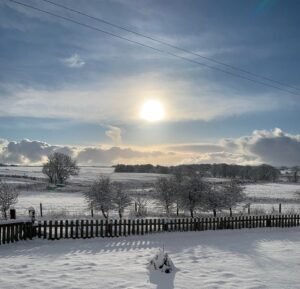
<point>161,262</point>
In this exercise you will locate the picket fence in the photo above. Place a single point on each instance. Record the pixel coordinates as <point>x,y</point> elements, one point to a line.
<point>83,229</point>
<point>16,231</point>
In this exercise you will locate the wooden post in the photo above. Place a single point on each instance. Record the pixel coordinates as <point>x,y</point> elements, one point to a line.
<point>142,227</point>
<point>97,228</point>
<point>77,229</point>
<point>61,229</point>
<point>129,228</point>
<point>87,229</point>
<point>249,209</point>
<point>101,229</point>
<point>158,225</point>
<point>137,226</point>
<point>50,230</point>
<point>55,230</point>
<point>92,228</point>
<point>120,227</point>
<point>45,229</point>
<point>279,208</point>
<point>72,230</point>
<point>133,227</point>
<point>124,228</point>
<point>92,212</point>
<point>39,229</point>
<point>66,229</point>
<point>41,209</point>
<point>116,228</point>
<point>230,212</point>
<point>81,229</point>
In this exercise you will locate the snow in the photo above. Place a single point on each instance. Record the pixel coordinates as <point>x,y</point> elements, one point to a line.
<point>161,262</point>
<point>273,190</point>
<point>257,258</point>
<point>264,197</point>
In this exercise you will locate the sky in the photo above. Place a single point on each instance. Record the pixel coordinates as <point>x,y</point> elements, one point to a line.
<point>65,87</point>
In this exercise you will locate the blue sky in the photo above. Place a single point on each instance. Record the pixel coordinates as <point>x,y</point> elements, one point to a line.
<point>64,85</point>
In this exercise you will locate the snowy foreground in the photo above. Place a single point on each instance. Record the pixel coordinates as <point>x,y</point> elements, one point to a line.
<point>257,258</point>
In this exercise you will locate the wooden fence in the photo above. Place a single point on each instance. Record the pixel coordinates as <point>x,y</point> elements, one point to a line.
<point>82,229</point>
<point>14,232</point>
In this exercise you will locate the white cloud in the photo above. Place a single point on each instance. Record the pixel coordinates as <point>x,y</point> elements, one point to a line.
<point>74,61</point>
<point>274,147</point>
<point>115,134</point>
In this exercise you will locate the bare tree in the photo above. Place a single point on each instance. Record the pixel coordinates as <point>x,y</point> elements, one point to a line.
<point>8,197</point>
<point>295,171</point>
<point>218,197</point>
<point>233,193</point>
<point>120,199</point>
<point>166,193</point>
<point>60,167</point>
<point>194,191</point>
<point>177,180</point>
<point>100,194</point>
<point>50,172</point>
<point>141,205</point>
<point>214,199</point>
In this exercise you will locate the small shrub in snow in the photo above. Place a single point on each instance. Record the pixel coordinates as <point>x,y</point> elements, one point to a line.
<point>161,262</point>
<point>8,197</point>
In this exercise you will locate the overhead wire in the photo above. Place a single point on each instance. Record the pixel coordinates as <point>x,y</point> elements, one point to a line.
<point>171,45</point>
<point>153,48</point>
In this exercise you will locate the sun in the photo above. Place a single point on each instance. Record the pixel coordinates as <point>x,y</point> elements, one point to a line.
<point>152,110</point>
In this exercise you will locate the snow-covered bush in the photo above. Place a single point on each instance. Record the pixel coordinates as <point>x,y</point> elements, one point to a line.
<point>8,197</point>
<point>161,262</point>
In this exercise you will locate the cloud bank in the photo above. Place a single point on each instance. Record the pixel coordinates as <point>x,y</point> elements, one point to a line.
<point>274,147</point>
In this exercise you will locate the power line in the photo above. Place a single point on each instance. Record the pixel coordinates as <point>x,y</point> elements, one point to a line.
<point>151,47</point>
<point>172,46</point>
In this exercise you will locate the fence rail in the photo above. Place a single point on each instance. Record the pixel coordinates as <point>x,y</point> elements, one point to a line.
<point>14,232</point>
<point>82,229</point>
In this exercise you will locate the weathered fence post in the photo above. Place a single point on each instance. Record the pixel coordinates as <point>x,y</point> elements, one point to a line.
<point>279,208</point>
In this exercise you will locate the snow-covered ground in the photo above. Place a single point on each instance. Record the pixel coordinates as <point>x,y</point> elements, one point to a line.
<point>273,190</point>
<point>87,174</point>
<point>257,258</point>
<point>69,201</point>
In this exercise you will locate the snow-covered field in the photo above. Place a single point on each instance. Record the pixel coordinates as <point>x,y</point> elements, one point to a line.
<point>275,191</point>
<point>70,201</point>
<point>257,258</point>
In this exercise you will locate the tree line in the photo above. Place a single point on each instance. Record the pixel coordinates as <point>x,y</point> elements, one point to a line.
<point>177,192</point>
<point>254,173</point>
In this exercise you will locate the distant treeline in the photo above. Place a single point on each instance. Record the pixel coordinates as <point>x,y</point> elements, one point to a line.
<point>255,173</point>
<point>6,165</point>
<point>147,168</point>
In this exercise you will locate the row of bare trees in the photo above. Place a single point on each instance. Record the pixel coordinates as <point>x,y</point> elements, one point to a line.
<point>193,192</point>
<point>105,195</point>
<point>185,193</point>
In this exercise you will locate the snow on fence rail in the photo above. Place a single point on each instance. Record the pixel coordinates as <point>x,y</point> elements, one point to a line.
<point>16,231</point>
<point>82,229</point>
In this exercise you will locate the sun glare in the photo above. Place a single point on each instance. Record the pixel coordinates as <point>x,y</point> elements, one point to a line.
<point>152,110</point>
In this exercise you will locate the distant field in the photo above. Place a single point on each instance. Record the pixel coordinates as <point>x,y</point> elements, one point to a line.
<point>69,201</point>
